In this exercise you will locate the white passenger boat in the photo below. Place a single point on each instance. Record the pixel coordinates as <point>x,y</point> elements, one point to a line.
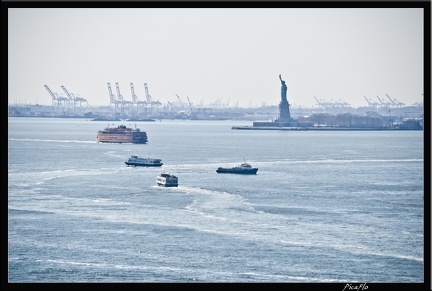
<point>167,180</point>
<point>135,160</point>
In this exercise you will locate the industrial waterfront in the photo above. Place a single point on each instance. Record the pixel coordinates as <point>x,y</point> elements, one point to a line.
<point>379,113</point>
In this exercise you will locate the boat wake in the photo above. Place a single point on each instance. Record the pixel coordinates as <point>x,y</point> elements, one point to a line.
<point>211,167</point>
<point>39,178</point>
<point>52,140</point>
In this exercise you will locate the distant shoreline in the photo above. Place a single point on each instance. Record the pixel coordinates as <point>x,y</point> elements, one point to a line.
<point>320,128</point>
<point>283,128</point>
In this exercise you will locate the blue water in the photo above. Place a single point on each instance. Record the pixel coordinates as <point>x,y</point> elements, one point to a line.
<point>323,207</point>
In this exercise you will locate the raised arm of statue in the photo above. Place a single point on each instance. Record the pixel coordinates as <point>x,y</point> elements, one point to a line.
<point>283,89</point>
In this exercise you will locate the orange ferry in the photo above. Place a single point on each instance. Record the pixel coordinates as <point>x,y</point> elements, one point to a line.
<point>122,134</point>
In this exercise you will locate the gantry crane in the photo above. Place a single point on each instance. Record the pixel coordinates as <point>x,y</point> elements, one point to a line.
<point>80,100</point>
<point>183,105</point>
<point>120,98</point>
<point>332,104</point>
<point>192,113</point>
<point>227,103</point>
<point>384,104</point>
<point>170,109</point>
<point>371,103</point>
<point>72,98</point>
<point>69,95</point>
<point>119,95</point>
<point>368,102</point>
<point>54,96</point>
<point>395,102</point>
<point>112,98</point>
<point>135,98</point>
<point>148,96</point>
<point>187,109</point>
<point>150,100</point>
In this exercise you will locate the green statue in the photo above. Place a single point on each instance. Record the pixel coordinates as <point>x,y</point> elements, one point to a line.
<point>283,90</point>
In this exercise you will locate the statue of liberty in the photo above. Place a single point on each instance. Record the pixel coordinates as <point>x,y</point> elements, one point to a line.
<point>284,118</point>
<point>283,90</point>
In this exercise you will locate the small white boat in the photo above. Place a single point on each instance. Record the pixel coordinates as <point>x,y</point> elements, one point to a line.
<point>143,162</point>
<point>166,180</point>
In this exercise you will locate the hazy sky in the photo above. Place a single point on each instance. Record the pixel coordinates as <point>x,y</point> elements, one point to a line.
<point>234,55</point>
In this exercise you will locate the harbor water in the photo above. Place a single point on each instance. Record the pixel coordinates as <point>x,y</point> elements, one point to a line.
<point>323,206</point>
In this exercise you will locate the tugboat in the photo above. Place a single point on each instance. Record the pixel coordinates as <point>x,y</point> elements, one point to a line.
<point>121,134</point>
<point>245,169</point>
<point>135,160</point>
<point>166,180</point>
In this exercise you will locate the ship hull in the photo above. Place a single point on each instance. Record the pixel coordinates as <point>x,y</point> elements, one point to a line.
<point>130,137</point>
<point>143,164</point>
<point>167,185</point>
<point>234,171</point>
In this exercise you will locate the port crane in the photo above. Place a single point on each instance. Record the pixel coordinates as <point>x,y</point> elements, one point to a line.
<point>72,98</point>
<point>192,113</point>
<point>395,102</point>
<point>150,100</point>
<point>148,96</point>
<point>120,98</point>
<point>218,102</point>
<point>170,109</point>
<point>112,98</point>
<point>384,104</point>
<point>371,103</point>
<point>79,99</point>
<point>119,95</point>
<point>134,96</point>
<point>331,104</point>
<point>186,110</point>
<point>56,98</point>
<point>135,99</point>
<point>182,104</point>
<point>227,103</point>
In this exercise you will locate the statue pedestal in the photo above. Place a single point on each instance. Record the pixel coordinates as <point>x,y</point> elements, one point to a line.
<point>284,119</point>
<point>284,113</point>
